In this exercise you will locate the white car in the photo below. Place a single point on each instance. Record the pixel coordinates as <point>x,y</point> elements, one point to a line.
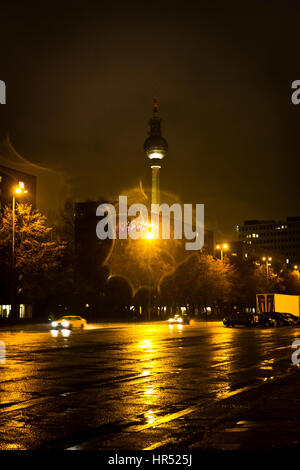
<point>69,322</point>
<point>179,319</point>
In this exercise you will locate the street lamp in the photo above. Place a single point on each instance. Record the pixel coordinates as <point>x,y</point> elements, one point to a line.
<point>223,247</point>
<point>266,260</point>
<point>17,191</point>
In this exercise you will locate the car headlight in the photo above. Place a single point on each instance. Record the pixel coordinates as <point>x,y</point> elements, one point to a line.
<point>65,323</point>
<point>180,320</point>
<point>170,319</point>
<point>54,324</point>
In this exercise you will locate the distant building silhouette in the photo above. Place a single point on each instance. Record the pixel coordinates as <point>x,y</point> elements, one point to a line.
<point>269,236</point>
<point>90,251</point>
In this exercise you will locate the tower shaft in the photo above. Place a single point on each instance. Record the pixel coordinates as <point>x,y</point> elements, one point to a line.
<point>155,197</point>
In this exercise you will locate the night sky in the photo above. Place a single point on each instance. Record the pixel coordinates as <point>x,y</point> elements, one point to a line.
<point>81,79</point>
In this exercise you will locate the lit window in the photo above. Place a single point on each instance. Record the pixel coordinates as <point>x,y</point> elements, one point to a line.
<point>21,184</point>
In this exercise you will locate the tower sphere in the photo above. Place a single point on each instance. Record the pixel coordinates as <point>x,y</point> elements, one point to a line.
<point>155,146</point>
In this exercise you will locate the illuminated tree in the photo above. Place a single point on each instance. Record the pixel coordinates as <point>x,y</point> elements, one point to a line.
<point>200,281</point>
<point>38,256</point>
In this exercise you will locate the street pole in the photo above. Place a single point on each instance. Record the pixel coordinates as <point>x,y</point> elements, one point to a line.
<point>150,284</point>
<point>13,307</point>
<point>18,190</point>
<point>267,259</point>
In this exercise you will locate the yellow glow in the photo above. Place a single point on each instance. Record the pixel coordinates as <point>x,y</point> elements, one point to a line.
<point>149,236</point>
<point>66,333</point>
<point>264,258</point>
<point>150,416</point>
<point>295,267</point>
<point>145,373</point>
<point>18,190</point>
<point>270,259</point>
<point>54,333</point>
<point>223,247</point>
<point>149,391</point>
<point>146,344</point>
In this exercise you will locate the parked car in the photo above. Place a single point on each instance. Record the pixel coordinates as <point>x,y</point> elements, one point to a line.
<point>179,319</point>
<point>265,320</point>
<point>240,318</point>
<point>281,319</point>
<point>68,322</point>
<point>293,318</point>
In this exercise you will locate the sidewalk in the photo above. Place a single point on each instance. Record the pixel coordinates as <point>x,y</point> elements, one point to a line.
<point>261,419</point>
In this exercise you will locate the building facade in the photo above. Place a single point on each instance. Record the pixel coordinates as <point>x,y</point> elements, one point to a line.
<point>270,237</point>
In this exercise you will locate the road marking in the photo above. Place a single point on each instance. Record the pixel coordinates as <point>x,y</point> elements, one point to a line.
<point>25,404</point>
<point>219,364</point>
<point>162,420</point>
<point>192,409</point>
<point>160,444</point>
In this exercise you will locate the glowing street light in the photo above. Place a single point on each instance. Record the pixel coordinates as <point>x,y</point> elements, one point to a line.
<point>223,247</point>
<point>149,236</point>
<point>267,260</point>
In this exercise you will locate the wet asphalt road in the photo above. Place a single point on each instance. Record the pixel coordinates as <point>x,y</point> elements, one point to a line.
<point>137,386</point>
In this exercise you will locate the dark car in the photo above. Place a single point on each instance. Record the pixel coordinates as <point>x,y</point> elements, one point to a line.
<point>240,318</point>
<point>265,320</point>
<point>294,320</point>
<point>281,319</point>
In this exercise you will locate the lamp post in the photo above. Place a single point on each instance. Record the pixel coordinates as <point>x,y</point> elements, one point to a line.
<point>223,247</point>
<point>16,191</point>
<point>267,260</point>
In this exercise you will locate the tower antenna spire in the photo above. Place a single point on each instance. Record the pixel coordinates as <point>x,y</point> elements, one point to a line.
<point>155,105</point>
<point>155,98</point>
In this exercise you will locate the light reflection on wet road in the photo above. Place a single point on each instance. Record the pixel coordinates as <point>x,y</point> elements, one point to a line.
<point>127,386</point>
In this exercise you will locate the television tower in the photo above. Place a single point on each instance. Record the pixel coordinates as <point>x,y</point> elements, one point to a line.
<point>156,148</point>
